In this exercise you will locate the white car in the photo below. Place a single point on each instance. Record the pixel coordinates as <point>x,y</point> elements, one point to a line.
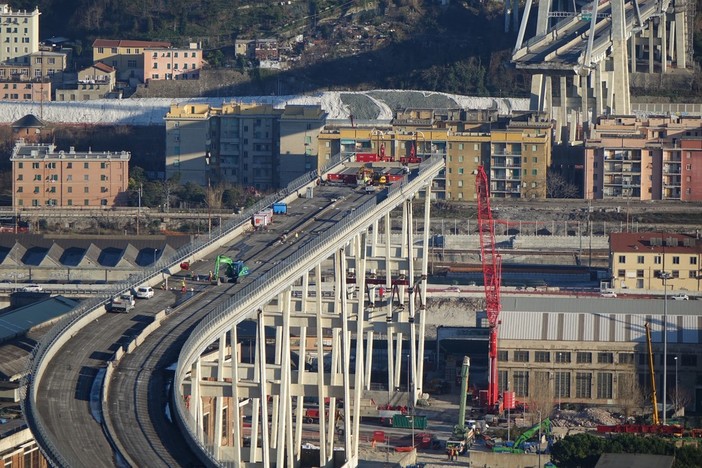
<point>680,297</point>
<point>608,294</point>
<point>32,288</point>
<point>144,292</point>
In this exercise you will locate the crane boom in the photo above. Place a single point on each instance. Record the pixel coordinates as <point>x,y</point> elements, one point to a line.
<point>492,274</point>
<point>654,399</point>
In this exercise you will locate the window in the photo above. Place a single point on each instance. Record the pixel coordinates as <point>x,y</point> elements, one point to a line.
<point>583,358</point>
<point>86,189</point>
<point>676,260</point>
<point>562,384</point>
<point>621,273</point>
<point>70,202</point>
<point>521,383</point>
<point>626,358</point>
<point>604,385</point>
<point>69,189</point>
<point>69,165</point>
<point>542,356</point>
<point>622,259</point>
<point>86,178</point>
<point>521,356</point>
<point>562,357</point>
<point>502,355</point>
<point>36,189</point>
<point>69,178</point>
<point>640,259</point>
<point>35,165</point>
<point>657,260</point>
<point>86,166</point>
<point>534,172</point>
<point>20,189</point>
<point>639,273</point>
<point>536,160</point>
<point>103,177</point>
<point>605,358</point>
<point>693,260</point>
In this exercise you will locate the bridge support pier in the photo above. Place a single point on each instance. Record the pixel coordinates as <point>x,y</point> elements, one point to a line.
<point>378,291</point>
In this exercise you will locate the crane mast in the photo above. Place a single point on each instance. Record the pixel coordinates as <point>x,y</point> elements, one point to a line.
<point>492,269</point>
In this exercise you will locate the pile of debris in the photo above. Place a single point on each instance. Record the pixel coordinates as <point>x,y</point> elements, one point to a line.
<point>589,417</point>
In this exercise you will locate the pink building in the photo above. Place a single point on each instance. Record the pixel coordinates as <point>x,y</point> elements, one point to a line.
<point>20,90</point>
<point>691,187</point>
<point>642,159</point>
<point>173,63</point>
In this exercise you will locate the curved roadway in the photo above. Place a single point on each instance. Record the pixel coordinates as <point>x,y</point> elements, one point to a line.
<point>138,395</point>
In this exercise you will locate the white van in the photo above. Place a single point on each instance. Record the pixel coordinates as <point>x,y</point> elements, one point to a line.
<point>144,292</point>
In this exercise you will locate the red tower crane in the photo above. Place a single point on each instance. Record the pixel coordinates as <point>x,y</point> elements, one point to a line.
<point>492,274</point>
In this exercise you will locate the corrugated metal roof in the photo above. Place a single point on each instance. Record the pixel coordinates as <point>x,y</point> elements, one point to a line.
<point>595,319</point>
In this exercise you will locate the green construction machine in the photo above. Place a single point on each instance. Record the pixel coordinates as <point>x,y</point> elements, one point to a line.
<point>522,444</point>
<point>233,269</point>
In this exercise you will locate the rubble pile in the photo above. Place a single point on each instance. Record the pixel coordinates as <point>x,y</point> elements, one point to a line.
<point>590,417</point>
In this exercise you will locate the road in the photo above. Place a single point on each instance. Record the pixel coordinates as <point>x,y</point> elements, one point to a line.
<point>138,396</point>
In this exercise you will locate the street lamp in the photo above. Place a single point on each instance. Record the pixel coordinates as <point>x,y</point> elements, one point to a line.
<point>509,415</point>
<point>665,276</point>
<point>155,252</point>
<point>675,403</point>
<point>209,195</point>
<point>558,382</point>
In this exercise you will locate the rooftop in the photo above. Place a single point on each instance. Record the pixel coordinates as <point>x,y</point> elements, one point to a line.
<point>654,242</point>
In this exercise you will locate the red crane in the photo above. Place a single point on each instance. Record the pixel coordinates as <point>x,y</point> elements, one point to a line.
<point>492,275</point>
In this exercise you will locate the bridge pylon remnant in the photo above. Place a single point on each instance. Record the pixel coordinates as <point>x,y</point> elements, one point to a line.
<point>584,59</point>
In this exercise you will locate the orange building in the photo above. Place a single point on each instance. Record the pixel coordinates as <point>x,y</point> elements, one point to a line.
<point>173,63</point>
<point>42,177</point>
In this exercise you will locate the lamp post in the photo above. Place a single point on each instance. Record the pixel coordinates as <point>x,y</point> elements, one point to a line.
<point>558,382</point>
<point>665,276</point>
<point>155,252</point>
<point>509,416</point>
<point>209,195</point>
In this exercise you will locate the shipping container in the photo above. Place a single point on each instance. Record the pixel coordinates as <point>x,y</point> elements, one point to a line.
<point>280,208</point>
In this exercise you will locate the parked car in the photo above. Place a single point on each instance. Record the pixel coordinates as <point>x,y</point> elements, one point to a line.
<point>144,292</point>
<point>32,288</point>
<point>681,297</point>
<point>608,294</point>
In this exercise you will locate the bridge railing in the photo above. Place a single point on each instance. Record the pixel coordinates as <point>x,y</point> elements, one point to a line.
<point>41,352</point>
<point>244,297</point>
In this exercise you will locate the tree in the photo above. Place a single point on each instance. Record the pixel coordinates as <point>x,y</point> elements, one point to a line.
<point>558,187</point>
<point>631,396</point>
<point>585,449</point>
<point>541,394</point>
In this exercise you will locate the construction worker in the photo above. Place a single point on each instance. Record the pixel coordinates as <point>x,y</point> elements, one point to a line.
<point>183,289</point>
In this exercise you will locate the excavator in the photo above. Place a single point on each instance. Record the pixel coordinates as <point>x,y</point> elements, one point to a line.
<point>234,269</point>
<point>522,445</point>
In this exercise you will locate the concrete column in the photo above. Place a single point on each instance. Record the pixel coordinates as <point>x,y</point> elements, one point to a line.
<point>261,342</point>
<point>681,38</point>
<point>597,90</point>
<point>671,40</point>
<point>632,52</point>
<point>346,357</point>
<point>412,305</point>
<point>390,329</point>
<point>358,371</point>
<point>285,381</point>
<point>563,114</point>
<point>651,36</point>
<point>237,440</point>
<point>321,393</point>
<point>584,94</point>
<point>620,75</point>
<point>664,43</point>
<point>515,15</point>
<point>255,402</point>
<point>423,290</point>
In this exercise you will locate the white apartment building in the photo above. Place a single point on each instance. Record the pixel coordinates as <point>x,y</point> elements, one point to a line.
<point>19,34</point>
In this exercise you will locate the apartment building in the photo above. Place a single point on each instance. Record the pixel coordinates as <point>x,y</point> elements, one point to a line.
<point>125,56</point>
<point>43,177</point>
<point>94,82</point>
<point>42,64</point>
<point>173,63</point>
<point>691,167</point>
<point>299,128</point>
<point>246,144</point>
<point>637,260</point>
<point>19,34</point>
<point>516,151</point>
<point>30,90</point>
<point>642,159</point>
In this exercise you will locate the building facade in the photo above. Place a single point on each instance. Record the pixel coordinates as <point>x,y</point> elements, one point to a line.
<point>19,34</point>
<point>173,63</point>
<point>42,177</point>
<point>245,144</point>
<point>641,159</point>
<point>30,90</point>
<point>637,260</point>
<point>691,167</point>
<point>125,56</point>
<point>516,151</point>
<point>259,49</point>
<point>94,82</point>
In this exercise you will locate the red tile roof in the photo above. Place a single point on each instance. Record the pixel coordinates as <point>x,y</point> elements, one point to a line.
<point>104,67</point>
<point>654,242</point>
<point>128,43</point>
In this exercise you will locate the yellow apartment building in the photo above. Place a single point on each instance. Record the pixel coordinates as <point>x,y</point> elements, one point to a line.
<point>637,260</point>
<point>42,177</point>
<point>126,56</point>
<point>517,151</point>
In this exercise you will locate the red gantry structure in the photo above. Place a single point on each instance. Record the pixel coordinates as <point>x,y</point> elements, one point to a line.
<point>492,274</point>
